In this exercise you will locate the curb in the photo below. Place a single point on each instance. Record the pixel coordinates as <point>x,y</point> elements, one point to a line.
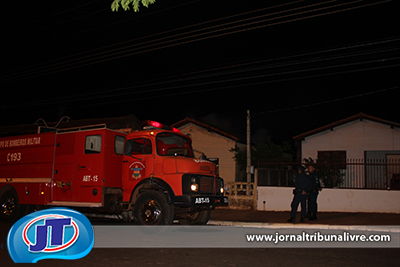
<point>372,228</point>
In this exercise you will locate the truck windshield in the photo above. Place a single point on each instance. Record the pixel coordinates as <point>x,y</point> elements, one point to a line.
<point>169,144</point>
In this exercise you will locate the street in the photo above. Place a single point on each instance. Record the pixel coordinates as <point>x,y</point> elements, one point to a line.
<point>218,257</point>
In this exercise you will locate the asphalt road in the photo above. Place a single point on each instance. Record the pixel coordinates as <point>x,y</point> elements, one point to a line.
<point>218,257</point>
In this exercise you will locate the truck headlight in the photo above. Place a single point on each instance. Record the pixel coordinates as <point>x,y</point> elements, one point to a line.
<point>194,187</point>
<point>222,188</point>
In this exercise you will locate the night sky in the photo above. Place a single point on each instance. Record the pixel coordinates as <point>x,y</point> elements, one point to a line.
<point>296,65</point>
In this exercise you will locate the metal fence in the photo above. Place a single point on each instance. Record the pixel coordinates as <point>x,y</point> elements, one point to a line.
<point>354,173</point>
<point>239,189</point>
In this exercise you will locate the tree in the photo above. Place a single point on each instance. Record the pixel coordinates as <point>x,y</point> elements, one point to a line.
<point>331,173</point>
<point>126,3</point>
<point>265,152</point>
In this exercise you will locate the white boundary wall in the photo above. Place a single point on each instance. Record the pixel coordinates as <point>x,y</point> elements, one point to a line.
<point>272,198</point>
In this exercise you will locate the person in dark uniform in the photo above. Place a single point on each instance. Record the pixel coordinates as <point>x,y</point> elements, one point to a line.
<point>302,184</point>
<point>312,197</point>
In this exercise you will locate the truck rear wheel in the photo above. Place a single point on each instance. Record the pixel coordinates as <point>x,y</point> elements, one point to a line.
<point>152,208</point>
<point>9,206</point>
<point>198,218</point>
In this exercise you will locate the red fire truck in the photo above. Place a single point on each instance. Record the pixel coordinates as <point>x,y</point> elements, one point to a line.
<point>149,176</point>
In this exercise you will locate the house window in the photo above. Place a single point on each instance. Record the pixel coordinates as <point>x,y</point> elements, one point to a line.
<point>337,158</point>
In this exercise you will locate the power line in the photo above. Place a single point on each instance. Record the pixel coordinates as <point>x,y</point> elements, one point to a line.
<point>330,101</point>
<point>93,29</point>
<point>212,73</point>
<point>327,101</point>
<point>235,86</point>
<point>165,44</point>
<point>119,47</point>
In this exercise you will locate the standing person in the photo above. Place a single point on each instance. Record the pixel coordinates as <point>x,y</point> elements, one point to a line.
<point>312,197</point>
<point>302,184</point>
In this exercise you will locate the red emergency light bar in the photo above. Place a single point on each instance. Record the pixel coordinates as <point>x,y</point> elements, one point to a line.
<point>149,124</point>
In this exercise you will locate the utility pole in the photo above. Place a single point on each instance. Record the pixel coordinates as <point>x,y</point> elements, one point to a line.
<point>248,169</point>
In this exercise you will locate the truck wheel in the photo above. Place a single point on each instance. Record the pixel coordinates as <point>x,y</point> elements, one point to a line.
<point>9,206</point>
<point>198,218</point>
<point>152,208</point>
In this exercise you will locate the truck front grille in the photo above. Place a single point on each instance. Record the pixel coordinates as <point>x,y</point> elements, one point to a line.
<point>206,184</point>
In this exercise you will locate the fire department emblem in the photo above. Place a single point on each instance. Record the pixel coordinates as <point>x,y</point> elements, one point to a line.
<point>137,170</point>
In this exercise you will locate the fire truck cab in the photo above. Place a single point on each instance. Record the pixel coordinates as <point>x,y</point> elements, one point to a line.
<point>149,176</point>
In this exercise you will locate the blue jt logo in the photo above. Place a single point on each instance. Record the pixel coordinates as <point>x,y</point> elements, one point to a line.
<point>53,233</point>
<point>56,235</point>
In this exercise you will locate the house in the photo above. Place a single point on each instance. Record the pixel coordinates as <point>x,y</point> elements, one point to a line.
<point>357,139</point>
<point>213,143</point>
<point>367,150</point>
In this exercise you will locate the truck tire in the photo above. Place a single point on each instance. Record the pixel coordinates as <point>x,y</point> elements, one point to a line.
<point>152,208</point>
<point>198,218</point>
<point>10,209</point>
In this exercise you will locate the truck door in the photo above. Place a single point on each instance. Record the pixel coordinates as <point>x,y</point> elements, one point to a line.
<point>138,160</point>
<point>89,169</point>
<point>64,167</point>
<point>78,167</point>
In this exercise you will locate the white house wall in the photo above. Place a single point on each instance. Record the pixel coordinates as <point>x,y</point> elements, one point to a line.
<point>354,137</point>
<point>214,146</point>
<point>272,198</point>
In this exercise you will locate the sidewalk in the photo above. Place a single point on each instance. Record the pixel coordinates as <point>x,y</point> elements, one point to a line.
<point>338,220</point>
